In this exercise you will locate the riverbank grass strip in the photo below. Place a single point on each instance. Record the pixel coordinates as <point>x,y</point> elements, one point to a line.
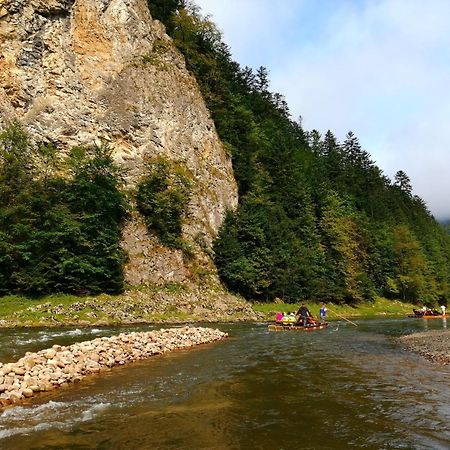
<point>54,367</point>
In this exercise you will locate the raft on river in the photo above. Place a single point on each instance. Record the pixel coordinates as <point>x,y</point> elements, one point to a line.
<point>428,314</point>
<point>281,327</point>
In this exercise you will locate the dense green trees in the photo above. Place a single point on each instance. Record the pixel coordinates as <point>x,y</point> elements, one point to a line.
<point>58,234</point>
<point>61,217</point>
<point>316,217</point>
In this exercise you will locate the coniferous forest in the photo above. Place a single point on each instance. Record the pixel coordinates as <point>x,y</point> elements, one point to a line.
<point>317,219</point>
<point>58,233</point>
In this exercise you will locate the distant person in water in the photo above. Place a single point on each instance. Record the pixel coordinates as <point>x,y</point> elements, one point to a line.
<point>303,314</point>
<point>323,312</point>
<point>443,308</point>
<point>279,317</point>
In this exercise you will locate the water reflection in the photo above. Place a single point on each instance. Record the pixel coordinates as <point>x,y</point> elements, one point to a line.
<point>339,388</point>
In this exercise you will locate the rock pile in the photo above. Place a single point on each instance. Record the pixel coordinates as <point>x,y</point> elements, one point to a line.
<point>54,367</point>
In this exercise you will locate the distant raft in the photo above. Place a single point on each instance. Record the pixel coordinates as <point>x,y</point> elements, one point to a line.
<point>318,326</point>
<point>428,314</point>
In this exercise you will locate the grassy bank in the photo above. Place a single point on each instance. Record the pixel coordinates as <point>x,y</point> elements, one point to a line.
<point>172,303</point>
<point>380,307</point>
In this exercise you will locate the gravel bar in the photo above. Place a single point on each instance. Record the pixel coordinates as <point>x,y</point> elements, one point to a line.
<point>433,345</point>
<point>51,368</point>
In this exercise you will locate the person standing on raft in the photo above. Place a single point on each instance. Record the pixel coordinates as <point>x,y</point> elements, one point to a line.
<point>303,313</point>
<point>323,312</point>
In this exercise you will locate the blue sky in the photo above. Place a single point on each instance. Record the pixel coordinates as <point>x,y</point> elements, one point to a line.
<point>380,68</point>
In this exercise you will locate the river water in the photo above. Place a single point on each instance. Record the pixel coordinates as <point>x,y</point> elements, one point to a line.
<point>339,388</point>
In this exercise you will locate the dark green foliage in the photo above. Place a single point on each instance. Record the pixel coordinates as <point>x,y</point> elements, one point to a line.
<point>403,182</point>
<point>316,218</point>
<point>162,198</point>
<point>446,227</point>
<point>58,234</point>
<point>163,9</point>
<point>16,166</point>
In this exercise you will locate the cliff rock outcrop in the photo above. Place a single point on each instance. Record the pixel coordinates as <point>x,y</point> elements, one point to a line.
<point>78,71</point>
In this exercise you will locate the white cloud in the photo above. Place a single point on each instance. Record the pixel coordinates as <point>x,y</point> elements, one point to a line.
<point>251,25</point>
<point>377,67</point>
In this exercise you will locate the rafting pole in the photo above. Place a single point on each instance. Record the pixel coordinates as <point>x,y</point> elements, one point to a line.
<point>342,317</point>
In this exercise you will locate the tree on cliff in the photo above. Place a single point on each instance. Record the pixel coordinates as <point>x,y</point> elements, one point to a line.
<point>162,198</point>
<point>163,9</point>
<point>403,182</point>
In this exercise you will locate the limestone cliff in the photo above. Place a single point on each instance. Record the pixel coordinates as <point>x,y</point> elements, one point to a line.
<point>79,71</point>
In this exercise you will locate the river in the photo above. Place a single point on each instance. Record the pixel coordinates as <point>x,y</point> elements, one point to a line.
<point>339,388</point>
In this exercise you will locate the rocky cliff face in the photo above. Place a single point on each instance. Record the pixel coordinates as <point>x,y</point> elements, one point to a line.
<point>78,71</point>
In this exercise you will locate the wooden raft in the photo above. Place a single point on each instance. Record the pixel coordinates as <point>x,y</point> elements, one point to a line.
<point>274,327</point>
<point>440,316</point>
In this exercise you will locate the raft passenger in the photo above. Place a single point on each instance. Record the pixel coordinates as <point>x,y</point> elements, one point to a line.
<point>323,312</point>
<point>285,319</point>
<point>303,314</point>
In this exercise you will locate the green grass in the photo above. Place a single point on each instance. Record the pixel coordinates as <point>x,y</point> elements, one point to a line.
<point>11,304</point>
<point>25,311</point>
<point>380,307</point>
<point>55,310</point>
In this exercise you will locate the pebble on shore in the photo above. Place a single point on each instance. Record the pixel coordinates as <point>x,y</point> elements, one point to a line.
<point>433,345</point>
<point>54,367</point>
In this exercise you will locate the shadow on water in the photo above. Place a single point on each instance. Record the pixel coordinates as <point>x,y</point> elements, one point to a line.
<point>339,388</point>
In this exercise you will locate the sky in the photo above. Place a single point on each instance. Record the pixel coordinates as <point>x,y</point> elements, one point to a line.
<point>380,68</point>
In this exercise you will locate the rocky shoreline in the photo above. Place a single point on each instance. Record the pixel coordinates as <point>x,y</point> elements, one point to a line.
<point>51,368</point>
<point>432,345</point>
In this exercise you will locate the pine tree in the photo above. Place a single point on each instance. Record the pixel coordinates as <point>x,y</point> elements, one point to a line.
<point>403,182</point>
